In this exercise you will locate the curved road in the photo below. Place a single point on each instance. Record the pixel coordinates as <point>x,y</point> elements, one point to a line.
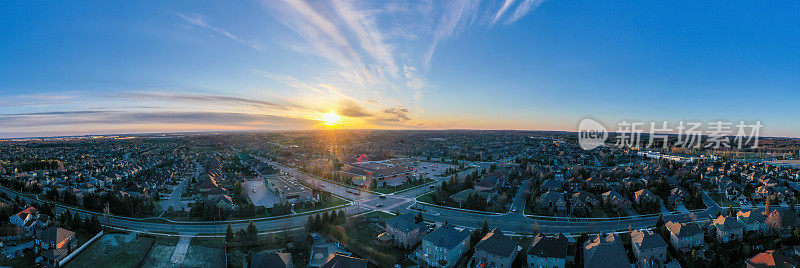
<point>365,201</point>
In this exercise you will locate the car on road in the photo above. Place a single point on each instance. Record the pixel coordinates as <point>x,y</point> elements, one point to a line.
<point>433,186</point>
<point>378,205</point>
<point>513,209</point>
<point>383,196</point>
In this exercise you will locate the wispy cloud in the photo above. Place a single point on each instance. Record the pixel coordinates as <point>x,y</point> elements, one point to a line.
<point>199,21</point>
<point>58,118</point>
<point>370,38</point>
<point>502,10</point>
<point>523,9</point>
<point>205,98</point>
<point>457,13</point>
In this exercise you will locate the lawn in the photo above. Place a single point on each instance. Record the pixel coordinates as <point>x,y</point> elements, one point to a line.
<point>721,200</point>
<point>114,250</point>
<point>379,214</point>
<point>332,202</point>
<point>427,198</point>
<point>362,241</point>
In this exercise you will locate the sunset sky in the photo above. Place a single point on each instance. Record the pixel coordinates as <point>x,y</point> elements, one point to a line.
<point>108,67</point>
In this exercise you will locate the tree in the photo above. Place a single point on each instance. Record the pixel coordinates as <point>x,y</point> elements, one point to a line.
<point>774,221</point>
<point>484,228</point>
<point>418,218</point>
<point>229,234</point>
<point>252,231</point>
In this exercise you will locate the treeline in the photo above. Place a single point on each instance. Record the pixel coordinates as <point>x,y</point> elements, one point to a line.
<point>31,165</point>
<point>322,221</point>
<point>245,235</point>
<point>131,206</point>
<point>75,223</point>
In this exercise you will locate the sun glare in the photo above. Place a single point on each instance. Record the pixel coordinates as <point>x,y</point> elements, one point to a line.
<point>330,119</point>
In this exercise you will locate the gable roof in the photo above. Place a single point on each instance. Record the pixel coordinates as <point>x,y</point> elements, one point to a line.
<point>496,243</point>
<point>549,247</point>
<point>771,258</point>
<point>274,259</point>
<point>646,239</point>
<point>55,235</point>
<point>605,252</point>
<point>683,230</point>
<point>405,223</point>
<point>341,261</point>
<point>446,237</point>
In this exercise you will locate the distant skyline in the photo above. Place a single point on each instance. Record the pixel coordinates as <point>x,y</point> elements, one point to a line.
<point>98,67</point>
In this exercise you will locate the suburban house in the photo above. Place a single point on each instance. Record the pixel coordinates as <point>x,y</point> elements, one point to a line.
<point>583,202</point>
<point>405,230</point>
<point>615,198</point>
<point>548,251</point>
<point>553,201</point>
<point>444,246</point>
<point>270,260</point>
<point>770,258</point>
<point>488,183</point>
<point>53,244</point>
<point>605,251</point>
<point>728,228</point>
<point>340,260</point>
<point>495,250</point>
<point>25,219</point>
<point>685,235</point>
<point>551,185</point>
<point>648,247</point>
<point>644,195</point>
<point>754,221</point>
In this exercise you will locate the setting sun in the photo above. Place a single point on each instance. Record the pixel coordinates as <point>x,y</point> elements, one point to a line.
<point>330,119</point>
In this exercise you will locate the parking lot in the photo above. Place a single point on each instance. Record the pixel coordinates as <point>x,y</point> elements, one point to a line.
<point>429,169</point>
<point>259,195</point>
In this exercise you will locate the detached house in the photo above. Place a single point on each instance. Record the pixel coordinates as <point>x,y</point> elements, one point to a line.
<point>605,251</point>
<point>553,201</point>
<point>405,230</point>
<point>753,221</point>
<point>495,250</point>
<point>550,251</point>
<point>644,195</point>
<point>25,219</point>
<point>685,235</point>
<point>648,247</point>
<point>53,244</point>
<point>444,246</point>
<point>728,228</point>
<point>770,258</point>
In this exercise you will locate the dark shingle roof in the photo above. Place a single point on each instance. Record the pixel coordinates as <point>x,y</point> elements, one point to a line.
<point>446,237</point>
<point>605,252</point>
<point>549,247</point>
<point>683,230</point>
<point>647,239</point>
<point>496,243</point>
<point>274,259</point>
<point>405,223</point>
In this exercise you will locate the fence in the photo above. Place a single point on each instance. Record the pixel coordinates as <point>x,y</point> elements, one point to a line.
<point>78,251</point>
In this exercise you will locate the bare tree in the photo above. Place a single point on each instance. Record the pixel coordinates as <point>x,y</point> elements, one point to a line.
<point>536,228</point>
<point>774,221</point>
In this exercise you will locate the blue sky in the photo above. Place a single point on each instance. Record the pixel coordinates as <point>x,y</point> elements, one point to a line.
<point>98,67</point>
